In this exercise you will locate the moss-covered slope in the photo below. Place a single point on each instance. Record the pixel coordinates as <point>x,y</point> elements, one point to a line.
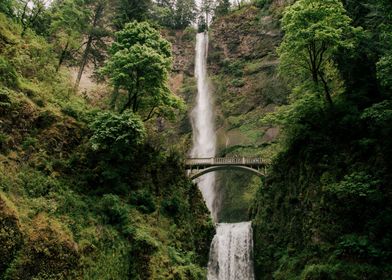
<point>243,69</point>
<point>68,211</point>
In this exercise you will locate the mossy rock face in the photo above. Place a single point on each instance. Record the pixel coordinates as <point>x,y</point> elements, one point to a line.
<point>48,253</point>
<point>11,237</point>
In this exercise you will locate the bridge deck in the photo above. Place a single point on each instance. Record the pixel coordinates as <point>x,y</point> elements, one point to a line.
<point>222,161</point>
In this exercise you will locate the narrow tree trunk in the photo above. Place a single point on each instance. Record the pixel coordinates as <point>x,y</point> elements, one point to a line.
<point>62,56</point>
<point>84,61</point>
<point>327,93</point>
<point>136,100</point>
<point>113,100</point>
<point>97,17</point>
<point>22,19</point>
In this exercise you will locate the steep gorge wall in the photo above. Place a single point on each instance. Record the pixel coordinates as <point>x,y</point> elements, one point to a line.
<point>243,68</point>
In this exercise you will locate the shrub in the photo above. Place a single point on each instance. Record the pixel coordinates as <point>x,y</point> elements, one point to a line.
<point>45,119</point>
<point>357,184</point>
<point>359,247</point>
<point>238,82</point>
<point>172,206</point>
<point>144,201</point>
<point>37,184</point>
<point>317,272</point>
<point>10,234</point>
<point>117,133</point>
<point>8,75</point>
<point>115,211</point>
<point>262,3</point>
<point>4,139</point>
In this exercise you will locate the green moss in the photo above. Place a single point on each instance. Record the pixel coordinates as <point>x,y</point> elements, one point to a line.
<point>11,238</point>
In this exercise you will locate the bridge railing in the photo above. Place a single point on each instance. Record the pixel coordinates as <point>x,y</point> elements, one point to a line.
<point>224,161</point>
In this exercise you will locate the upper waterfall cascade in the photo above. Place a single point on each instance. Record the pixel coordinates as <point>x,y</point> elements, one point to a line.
<point>204,139</point>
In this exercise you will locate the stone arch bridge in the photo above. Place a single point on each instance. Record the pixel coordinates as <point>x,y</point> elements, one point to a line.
<point>200,166</point>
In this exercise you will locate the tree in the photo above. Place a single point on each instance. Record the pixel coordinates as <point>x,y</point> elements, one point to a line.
<point>222,8</point>
<point>177,14</point>
<point>314,31</point>
<point>383,9</point>
<point>6,7</point>
<point>139,65</point>
<point>207,7</point>
<point>30,13</point>
<point>185,13</point>
<point>69,20</point>
<point>96,34</point>
<point>130,10</point>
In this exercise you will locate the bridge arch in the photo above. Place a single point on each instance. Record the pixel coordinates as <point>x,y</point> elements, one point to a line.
<point>226,167</point>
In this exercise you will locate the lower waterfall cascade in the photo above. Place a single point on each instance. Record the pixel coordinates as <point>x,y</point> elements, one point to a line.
<point>231,252</point>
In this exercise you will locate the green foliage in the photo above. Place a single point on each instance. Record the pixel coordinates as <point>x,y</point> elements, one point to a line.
<point>47,253</point>
<point>317,272</point>
<point>10,234</point>
<point>238,83</point>
<point>8,75</point>
<point>185,13</point>
<point>174,14</point>
<point>139,64</point>
<point>222,8</point>
<point>6,7</point>
<point>172,206</point>
<point>115,210</point>
<point>35,59</point>
<point>359,246</point>
<point>117,133</point>
<point>357,184</point>
<point>233,67</point>
<point>144,201</point>
<point>130,10</point>
<point>69,22</point>
<point>189,34</point>
<point>262,3</point>
<point>36,184</point>
<point>314,31</point>
<point>80,187</point>
<point>379,114</point>
<point>384,70</point>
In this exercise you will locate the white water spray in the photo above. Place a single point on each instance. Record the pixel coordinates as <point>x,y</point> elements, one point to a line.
<point>204,139</point>
<point>232,247</point>
<point>231,253</point>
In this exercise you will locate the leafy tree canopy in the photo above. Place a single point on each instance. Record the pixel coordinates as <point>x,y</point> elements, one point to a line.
<point>314,31</point>
<point>139,65</point>
<point>129,10</point>
<point>6,7</point>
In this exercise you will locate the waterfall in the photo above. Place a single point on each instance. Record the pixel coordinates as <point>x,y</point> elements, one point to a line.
<point>232,247</point>
<point>231,253</point>
<point>204,139</point>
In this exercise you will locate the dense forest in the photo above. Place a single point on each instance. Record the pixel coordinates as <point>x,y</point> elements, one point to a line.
<point>95,98</point>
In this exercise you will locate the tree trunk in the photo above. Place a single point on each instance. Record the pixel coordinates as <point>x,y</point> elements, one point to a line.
<point>84,61</point>
<point>97,17</point>
<point>114,98</point>
<point>327,93</point>
<point>135,101</point>
<point>22,19</point>
<point>62,56</point>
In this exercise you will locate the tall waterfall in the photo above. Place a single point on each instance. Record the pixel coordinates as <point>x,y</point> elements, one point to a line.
<point>204,139</point>
<point>231,253</point>
<point>232,247</point>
